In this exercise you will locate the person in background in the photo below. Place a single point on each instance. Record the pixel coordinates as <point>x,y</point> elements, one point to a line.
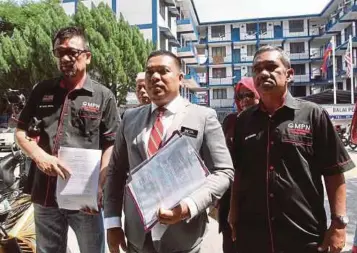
<point>283,147</point>
<point>140,90</point>
<point>245,96</point>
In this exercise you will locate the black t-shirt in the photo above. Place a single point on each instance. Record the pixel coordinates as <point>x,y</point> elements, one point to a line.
<point>82,118</point>
<point>281,160</point>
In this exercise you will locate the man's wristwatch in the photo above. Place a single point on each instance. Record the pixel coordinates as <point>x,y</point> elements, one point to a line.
<point>341,219</point>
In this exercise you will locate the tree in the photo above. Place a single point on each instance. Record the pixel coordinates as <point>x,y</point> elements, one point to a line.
<point>119,50</point>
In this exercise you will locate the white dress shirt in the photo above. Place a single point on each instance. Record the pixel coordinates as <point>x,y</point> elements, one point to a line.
<point>167,119</point>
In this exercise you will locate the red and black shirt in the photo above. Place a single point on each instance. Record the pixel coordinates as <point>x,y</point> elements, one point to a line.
<point>281,160</point>
<point>81,118</point>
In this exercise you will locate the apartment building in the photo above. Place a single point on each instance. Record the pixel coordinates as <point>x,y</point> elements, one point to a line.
<point>226,50</point>
<point>169,24</point>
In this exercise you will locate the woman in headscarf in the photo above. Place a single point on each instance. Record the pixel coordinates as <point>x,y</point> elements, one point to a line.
<point>245,96</point>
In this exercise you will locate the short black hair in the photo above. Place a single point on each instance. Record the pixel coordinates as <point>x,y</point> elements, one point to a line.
<point>167,53</point>
<point>68,33</point>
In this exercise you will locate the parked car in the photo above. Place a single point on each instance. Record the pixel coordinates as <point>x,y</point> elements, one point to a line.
<point>7,138</point>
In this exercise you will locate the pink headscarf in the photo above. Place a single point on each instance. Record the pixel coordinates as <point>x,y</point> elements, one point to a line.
<point>249,84</point>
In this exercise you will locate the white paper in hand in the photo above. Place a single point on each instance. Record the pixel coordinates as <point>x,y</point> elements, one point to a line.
<point>81,188</point>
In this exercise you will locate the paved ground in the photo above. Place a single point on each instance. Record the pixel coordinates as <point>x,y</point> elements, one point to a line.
<point>213,241</point>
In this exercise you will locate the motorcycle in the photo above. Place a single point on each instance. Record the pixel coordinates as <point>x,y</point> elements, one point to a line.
<point>17,230</point>
<point>17,226</point>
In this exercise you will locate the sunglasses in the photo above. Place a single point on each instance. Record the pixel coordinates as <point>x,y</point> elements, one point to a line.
<point>243,95</point>
<point>71,52</point>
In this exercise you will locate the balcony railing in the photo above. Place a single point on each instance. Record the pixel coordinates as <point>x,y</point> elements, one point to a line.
<point>219,103</point>
<point>221,81</point>
<point>302,78</point>
<point>183,21</point>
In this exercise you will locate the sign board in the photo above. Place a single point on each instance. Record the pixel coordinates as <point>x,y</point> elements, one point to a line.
<point>340,112</point>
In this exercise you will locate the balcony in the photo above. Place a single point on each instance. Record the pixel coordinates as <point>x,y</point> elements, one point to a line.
<point>184,25</point>
<point>226,81</point>
<point>303,56</point>
<point>350,10</point>
<point>193,76</point>
<point>187,51</point>
<point>219,103</point>
<point>274,34</point>
<point>170,2</point>
<point>217,60</point>
<point>187,28</point>
<point>335,23</point>
<point>199,99</point>
<point>316,54</point>
<point>302,78</point>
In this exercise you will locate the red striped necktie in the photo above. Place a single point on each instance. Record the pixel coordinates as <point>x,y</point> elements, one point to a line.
<point>157,132</point>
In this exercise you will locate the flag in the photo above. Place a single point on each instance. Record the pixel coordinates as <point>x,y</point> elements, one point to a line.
<point>348,61</point>
<point>326,57</point>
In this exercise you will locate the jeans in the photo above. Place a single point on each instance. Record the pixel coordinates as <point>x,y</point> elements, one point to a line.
<point>52,227</point>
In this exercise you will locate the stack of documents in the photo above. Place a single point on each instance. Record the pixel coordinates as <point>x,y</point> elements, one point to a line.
<point>165,179</point>
<point>80,190</point>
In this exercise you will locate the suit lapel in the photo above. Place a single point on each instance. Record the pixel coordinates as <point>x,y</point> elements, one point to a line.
<point>142,126</point>
<point>178,118</point>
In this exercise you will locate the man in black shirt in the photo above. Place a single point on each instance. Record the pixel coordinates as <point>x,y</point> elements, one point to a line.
<point>282,148</point>
<point>71,111</point>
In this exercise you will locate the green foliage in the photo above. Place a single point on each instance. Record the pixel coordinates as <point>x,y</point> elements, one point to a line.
<point>119,51</point>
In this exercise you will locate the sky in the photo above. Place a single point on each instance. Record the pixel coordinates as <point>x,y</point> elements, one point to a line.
<point>220,10</point>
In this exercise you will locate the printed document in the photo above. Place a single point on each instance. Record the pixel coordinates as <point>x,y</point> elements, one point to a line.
<point>81,188</point>
<point>172,174</point>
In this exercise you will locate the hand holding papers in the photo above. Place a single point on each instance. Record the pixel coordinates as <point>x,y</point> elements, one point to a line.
<point>81,188</point>
<point>172,174</point>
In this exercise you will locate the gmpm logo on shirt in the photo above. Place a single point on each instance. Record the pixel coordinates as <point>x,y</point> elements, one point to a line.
<point>299,128</point>
<point>90,106</point>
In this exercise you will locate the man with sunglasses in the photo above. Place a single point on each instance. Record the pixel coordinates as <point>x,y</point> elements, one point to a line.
<point>283,147</point>
<point>72,111</point>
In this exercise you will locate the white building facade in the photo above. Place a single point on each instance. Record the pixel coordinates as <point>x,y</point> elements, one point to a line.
<point>228,48</point>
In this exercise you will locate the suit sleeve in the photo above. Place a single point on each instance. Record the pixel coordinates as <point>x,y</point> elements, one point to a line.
<point>218,160</point>
<point>116,176</point>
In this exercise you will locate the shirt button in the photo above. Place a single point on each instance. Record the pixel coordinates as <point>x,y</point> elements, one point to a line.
<point>271,167</point>
<point>272,143</point>
<point>271,195</point>
<point>272,218</point>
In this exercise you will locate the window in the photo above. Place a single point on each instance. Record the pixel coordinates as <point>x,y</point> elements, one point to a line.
<point>218,31</point>
<point>201,51</point>
<point>299,69</point>
<point>338,39</point>
<point>251,49</point>
<point>263,28</point>
<point>220,94</point>
<point>296,26</point>
<point>219,51</point>
<point>249,71</point>
<point>340,86</point>
<point>219,73</point>
<point>348,32</point>
<point>251,28</point>
<point>162,9</point>
<point>297,47</point>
